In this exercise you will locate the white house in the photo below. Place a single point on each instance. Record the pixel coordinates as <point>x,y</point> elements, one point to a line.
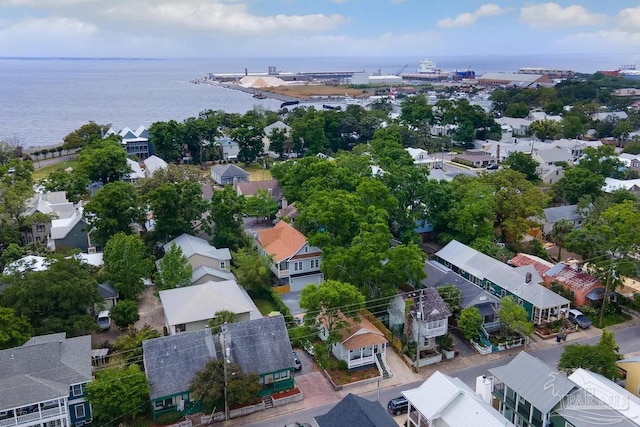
<point>445,401</point>
<point>135,173</point>
<point>190,308</point>
<point>422,158</point>
<point>54,204</point>
<point>294,261</point>
<point>279,125</point>
<point>152,164</point>
<point>136,143</point>
<point>200,253</point>
<point>229,148</point>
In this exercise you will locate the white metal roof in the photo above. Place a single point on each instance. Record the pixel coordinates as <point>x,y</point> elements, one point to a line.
<point>191,245</point>
<point>451,401</point>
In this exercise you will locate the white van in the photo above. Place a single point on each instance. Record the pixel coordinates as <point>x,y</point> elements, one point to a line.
<point>104,320</point>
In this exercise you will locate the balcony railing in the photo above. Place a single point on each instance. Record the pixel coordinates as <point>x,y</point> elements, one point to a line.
<point>33,416</point>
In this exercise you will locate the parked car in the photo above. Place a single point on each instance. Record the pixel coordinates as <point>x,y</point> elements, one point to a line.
<point>298,425</point>
<point>576,317</point>
<point>398,405</point>
<point>104,320</point>
<point>493,167</point>
<point>297,365</point>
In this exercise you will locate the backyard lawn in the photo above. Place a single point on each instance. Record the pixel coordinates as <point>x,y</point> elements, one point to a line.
<point>265,306</point>
<point>257,172</point>
<point>44,172</point>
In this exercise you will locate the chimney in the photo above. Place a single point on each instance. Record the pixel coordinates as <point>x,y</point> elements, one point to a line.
<point>527,278</point>
<point>498,152</point>
<point>483,388</point>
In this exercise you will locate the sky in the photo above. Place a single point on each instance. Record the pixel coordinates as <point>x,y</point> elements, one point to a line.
<point>315,28</point>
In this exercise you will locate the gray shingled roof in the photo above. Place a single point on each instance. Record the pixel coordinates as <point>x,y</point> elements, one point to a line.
<point>557,213</point>
<point>470,293</point>
<point>356,411</point>
<point>229,171</point>
<point>107,291</point>
<point>535,381</point>
<point>433,306</point>
<point>261,345</point>
<point>171,362</point>
<point>43,369</point>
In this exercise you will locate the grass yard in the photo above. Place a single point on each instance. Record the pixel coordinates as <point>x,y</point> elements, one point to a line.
<point>257,172</point>
<point>610,319</point>
<point>265,306</point>
<point>41,173</point>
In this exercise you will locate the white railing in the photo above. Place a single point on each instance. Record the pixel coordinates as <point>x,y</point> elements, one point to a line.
<point>361,361</point>
<point>34,416</point>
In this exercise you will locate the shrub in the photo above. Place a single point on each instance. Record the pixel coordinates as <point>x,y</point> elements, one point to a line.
<point>168,418</point>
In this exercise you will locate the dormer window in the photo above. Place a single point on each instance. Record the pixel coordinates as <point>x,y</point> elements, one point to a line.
<point>306,249</point>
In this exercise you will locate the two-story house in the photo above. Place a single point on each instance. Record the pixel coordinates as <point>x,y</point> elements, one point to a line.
<point>71,232</point>
<point>43,382</point>
<point>229,148</point>
<point>200,253</point>
<point>136,143</point>
<point>422,158</point>
<point>293,260</point>
<point>40,210</point>
<point>524,283</point>
<point>423,315</point>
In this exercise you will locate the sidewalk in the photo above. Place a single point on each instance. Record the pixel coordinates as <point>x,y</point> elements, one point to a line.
<point>403,374</point>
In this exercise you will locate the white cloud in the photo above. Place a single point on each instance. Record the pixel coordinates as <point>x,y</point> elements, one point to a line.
<point>209,16</point>
<point>629,19</point>
<point>469,18</point>
<point>552,15</point>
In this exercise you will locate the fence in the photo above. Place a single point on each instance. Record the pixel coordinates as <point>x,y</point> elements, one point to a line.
<point>393,340</point>
<point>284,289</point>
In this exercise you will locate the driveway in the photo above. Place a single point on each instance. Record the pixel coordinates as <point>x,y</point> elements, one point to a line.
<point>292,300</point>
<point>150,310</point>
<point>463,347</point>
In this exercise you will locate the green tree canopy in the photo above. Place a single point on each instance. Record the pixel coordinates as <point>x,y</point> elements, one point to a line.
<point>128,347</point>
<point>61,299</point>
<point>113,209</point>
<point>559,233</point>
<point>174,270</point>
<point>118,395</point>
<point>104,160</point>
<point>220,318</point>
<point>225,219</point>
<point>262,205</point>
<point>326,304</point>
<point>74,183</point>
<point>125,313</point>
<point>578,182</point>
<point>515,317</point>
<point>600,358</point>
<point>546,129</point>
<point>210,381</point>
<point>523,163</point>
<point>470,322</point>
<point>177,207</point>
<point>127,264</point>
<point>14,330</point>
<point>251,269</point>
<point>84,134</point>
<point>452,296</point>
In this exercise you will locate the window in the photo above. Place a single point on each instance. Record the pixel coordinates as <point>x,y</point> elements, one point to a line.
<point>297,266</point>
<point>223,265</point>
<point>79,411</point>
<point>503,293</point>
<point>306,249</point>
<point>181,327</point>
<point>76,390</point>
<point>40,228</point>
<point>425,341</point>
<point>314,263</point>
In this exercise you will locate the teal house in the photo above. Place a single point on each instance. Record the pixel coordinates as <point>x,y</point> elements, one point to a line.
<point>524,284</point>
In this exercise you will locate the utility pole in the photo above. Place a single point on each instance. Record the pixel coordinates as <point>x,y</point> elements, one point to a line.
<point>419,321</point>
<point>225,349</point>
<point>606,289</point>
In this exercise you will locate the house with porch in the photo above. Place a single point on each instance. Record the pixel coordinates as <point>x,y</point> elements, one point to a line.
<point>43,382</point>
<point>191,307</point>
<point>136,143</point>
<point>360,344</point>
<point>524,284</point>
<point>422,314</point>
<point>471,295</point>
<point>261,346</point>
<point>631,368</point>
<point>171,363</point>
<point>294,261</point>
<point>528,392</point>
<point>447,401</point>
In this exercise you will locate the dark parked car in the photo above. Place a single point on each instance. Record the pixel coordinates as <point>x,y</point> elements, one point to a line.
<point>576,317</point>
<point>398,405</point>
<point>493,167</point>
<point>297,365</point>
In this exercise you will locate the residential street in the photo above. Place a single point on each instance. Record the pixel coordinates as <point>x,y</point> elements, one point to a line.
<point>627,336</point>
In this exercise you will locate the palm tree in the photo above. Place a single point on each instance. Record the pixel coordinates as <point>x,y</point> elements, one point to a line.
<point>559,233</point>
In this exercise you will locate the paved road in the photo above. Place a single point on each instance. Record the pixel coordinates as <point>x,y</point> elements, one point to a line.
<point>627,337</point>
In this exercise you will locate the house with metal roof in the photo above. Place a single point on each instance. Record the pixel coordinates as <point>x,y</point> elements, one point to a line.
<point>500,279</point>
<point>228,174</point>
<point>552,156</point>
<point>200,253</point>
<point>43,382</point>
<point>528,391</point>
<point>191,307</point>
<point>359,344</point>
<point>422,158</point>
<point>268,130</point>
<point>443,400</point>
<point>294,261</point>
<point>152,164</point>
<point>585,287</point>
<point>136,143</point>
<point>49,205</point>
<point>72,232</point>
<point>262,346</point>
<point>552,215</point>
<point>171,363</point>
<point>471,295</point>
<point>356,411</point>
<point>204,274</point>
<point>229,148</point>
